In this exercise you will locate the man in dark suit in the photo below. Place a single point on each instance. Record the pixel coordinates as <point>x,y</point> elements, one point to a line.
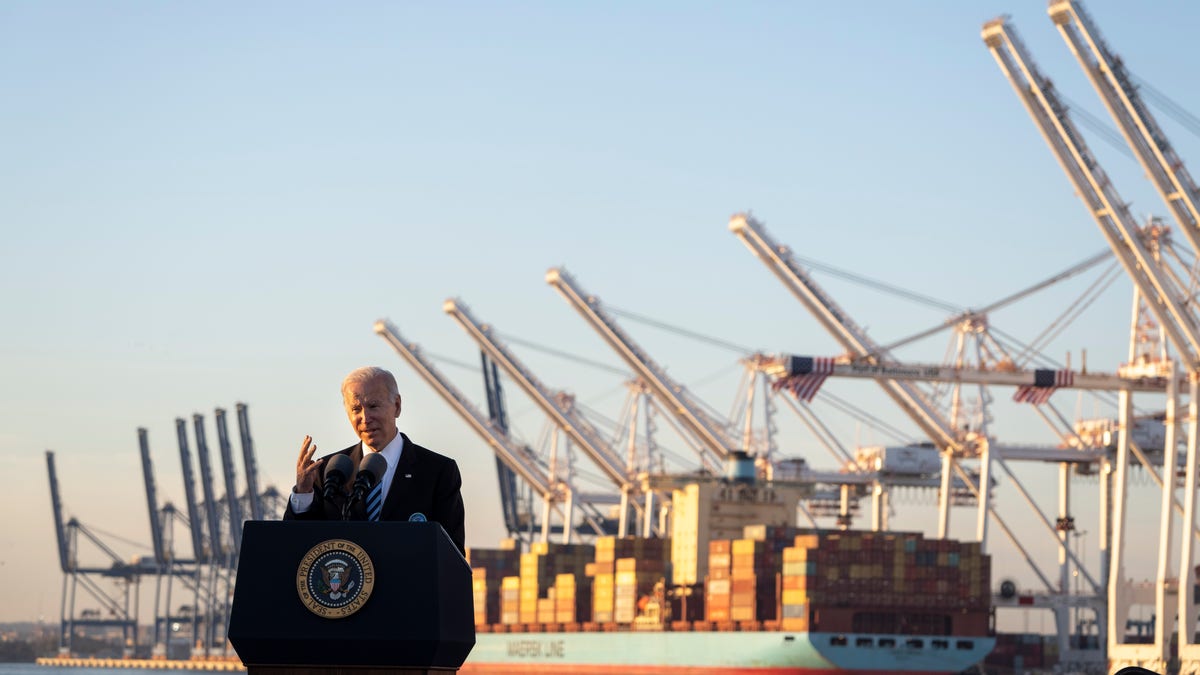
<point>419,484</point>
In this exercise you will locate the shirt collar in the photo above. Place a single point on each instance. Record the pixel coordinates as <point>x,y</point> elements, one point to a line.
<point>391,452</point>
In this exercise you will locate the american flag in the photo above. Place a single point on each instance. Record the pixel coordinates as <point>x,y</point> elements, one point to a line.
<point>808,374</point>
<point>1044,383</point>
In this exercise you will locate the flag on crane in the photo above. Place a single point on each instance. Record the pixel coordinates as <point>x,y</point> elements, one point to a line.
<point>807,375</point>
<point>1045,382</point>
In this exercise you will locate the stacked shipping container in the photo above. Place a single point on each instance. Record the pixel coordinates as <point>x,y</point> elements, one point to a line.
<point>775,576</point>
<point>488,568</point>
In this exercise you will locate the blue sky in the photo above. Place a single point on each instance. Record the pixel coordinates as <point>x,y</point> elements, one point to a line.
<point>206,204</point>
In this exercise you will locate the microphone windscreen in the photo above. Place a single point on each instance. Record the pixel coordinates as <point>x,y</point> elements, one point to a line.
<point>341,465</point>
<point>375,465</point>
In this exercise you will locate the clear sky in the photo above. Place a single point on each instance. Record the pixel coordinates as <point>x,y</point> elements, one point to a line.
<point>205,204</point>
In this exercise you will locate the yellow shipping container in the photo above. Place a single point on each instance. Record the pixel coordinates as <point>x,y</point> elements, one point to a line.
<point>741,613</point>
<point>742,546</point>
<point>794,623</point>
<point>795,597</point>
<point>795,554</point>
<point>807,541</point>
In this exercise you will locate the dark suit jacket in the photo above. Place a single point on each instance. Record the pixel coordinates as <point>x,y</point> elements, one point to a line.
<point>424,482</point>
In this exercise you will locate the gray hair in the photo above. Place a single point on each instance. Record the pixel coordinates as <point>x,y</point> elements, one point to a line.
<point>368,373</point>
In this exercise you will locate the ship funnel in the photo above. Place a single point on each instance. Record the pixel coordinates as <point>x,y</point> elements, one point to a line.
<point>740,467</point>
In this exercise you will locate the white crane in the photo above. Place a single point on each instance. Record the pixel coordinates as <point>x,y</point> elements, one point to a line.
<point>1174,315</point>
<point>1108,75</point>
<point>519,459</point>
<point>554,404</point>
<point>716,439</point>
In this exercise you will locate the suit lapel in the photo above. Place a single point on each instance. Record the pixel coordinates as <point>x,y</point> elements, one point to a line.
<point>355,453</point>
<point>397,491</point>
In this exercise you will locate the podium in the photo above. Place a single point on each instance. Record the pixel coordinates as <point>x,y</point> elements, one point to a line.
<point>351,598</point>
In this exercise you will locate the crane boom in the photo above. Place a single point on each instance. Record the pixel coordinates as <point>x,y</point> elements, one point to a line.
<point>514,457</point>
<point>506,478</point>
<point>60,532</point>
<point>713,435</point>
<point>785,365</point>
<point>1093,186</point>
<point>251,463</point>
<point>852,338</point>
<point>232,502</point>
<point>195,520</point>
<point>1120,96</point>
<point>156,534</point>
<point>210,500</point>
<point>566,416</point>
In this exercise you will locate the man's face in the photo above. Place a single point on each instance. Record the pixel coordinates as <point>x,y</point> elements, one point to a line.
<point>372,411</point>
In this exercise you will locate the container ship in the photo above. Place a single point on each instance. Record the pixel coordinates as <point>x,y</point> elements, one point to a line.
<point>774,599</point>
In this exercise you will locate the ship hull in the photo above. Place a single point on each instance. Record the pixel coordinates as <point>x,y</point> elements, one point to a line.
<point>724,653</point>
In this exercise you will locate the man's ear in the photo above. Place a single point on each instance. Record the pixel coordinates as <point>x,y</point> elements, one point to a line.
<point>399,401</point>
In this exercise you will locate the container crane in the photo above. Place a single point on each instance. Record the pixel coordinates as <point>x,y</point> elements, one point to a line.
<point>1107,74</point>
<point>220,560</point>
<point>232,502</point>
<point>1174,317</point>
<point>128,577</point>
<point>559,406</point>
<point>785,366</point>
<point>212,518</point>
<point>862,348</point>
<point>506,478</point>
<point>718,444</point>
<point>548,487</point>
<point>156,535</point>
<point>156,530</point>
<point>257,512</point>
<point>200,550</point>
<point>60,532</point>
<point>1094,187</point>
<point>865,353</point>
<point>852,338</point>
<point>169,564</point>
<point>554,404</point>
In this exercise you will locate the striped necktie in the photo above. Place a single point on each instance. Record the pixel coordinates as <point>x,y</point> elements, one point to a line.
<point>375,501</point>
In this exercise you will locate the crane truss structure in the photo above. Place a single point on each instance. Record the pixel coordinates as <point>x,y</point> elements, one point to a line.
<point>119,610</point>
<point>717,441</point>
<point>556,494</point>
<point>207,577</point>
<point>1163,289</point>
<point>560,407</point>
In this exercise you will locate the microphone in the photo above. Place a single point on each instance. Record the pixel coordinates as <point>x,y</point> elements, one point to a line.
<point>370,472</point>
<point>337,470</point>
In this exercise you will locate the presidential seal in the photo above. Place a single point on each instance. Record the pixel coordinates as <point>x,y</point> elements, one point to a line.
<point>335,578</point>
